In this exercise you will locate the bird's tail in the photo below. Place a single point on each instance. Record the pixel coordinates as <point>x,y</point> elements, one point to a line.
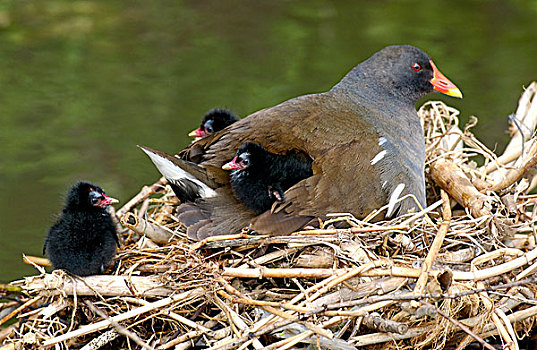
<point>188,180</point>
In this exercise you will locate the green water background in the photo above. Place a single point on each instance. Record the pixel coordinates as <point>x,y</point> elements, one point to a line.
<point>83,82</point>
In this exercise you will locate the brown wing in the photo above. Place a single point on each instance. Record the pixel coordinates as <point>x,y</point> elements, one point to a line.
<point>323,127</point>
<point>219,215</point>
<point>334,187</point>
<point>288,126</point>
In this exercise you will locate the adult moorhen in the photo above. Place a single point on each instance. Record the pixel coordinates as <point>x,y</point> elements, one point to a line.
<point>84,239</point>
<point>214,120</point>
<point>363,135</point>
<point>259,178</point>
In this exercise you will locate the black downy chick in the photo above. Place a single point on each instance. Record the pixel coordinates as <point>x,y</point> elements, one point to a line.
<point>215,120</point>
<point>84,239</point>
<point>259,178</point>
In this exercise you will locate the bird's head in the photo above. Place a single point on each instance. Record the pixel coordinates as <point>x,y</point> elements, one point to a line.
<point>249,154</point>
<point>215,120</point>
<point>405,72</point>
<point>85,195</point>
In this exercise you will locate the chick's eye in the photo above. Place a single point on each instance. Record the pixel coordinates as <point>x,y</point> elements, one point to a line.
<point>416,67</point>
<point>95,197</point>
<point>208,126</point>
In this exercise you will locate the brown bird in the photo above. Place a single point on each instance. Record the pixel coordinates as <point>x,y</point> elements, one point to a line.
<point>363,135</point>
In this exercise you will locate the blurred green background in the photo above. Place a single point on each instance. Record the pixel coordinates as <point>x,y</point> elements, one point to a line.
<point>83,82</point>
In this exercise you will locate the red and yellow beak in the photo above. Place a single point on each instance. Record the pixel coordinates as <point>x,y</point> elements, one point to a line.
<point>443,85</point>
<point>197,133</point>
<point>232,165</point>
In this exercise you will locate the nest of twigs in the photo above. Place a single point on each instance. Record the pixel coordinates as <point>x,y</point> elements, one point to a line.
<point>460,271</point>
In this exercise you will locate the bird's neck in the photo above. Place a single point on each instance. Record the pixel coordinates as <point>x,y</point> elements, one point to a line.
<point>393,117</point>
<point>371,85</point>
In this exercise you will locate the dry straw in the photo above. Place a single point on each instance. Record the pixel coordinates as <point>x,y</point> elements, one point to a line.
<point>457,272</point>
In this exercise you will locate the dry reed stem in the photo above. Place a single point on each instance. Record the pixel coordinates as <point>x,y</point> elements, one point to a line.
<point>142,227</point>
<point>101,340</point>
<point>465,329</point>
<point>181,339</point>
<point>268,323</point>
<point>279,313</point>
<point>350,230</point>
<point>312,327</point>
<point>236,320</point>
<point>145,193</point>
<point>262,272</point>
<point>216,239</point>
<point>519,316</point>
<point>201,329</point>
<point>124,316</point>
<point>376,322</point>
<point>19,309</point>
<point>36,260</point>
<point>526,115</point>
<point>515,174</point>
<point>451,179</point>
<point>104,285</point>
<point>119,328</point>
<point>437,244</point>
<point>488,329</point>
<point>270,257</point>
<point>378,338</point>
<point>395,271</point>
<point>255,289</point>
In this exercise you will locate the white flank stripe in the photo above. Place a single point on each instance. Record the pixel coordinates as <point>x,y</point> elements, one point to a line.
<point>393,198</point>
<point>174,173</point>
<point>382,140</point>
<point>378,157</point>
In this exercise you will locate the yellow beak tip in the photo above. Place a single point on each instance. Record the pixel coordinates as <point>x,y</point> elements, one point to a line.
<point>456,93</point>
<point>453,92</point>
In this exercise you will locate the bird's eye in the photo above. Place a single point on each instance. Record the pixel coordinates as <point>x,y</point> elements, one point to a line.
<point>416,66</point>
<point>245,161</point>
<point>209,127</point>
<point>95,197</point>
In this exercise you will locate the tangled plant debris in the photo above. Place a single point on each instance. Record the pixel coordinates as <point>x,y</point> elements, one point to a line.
<point>460,271</point>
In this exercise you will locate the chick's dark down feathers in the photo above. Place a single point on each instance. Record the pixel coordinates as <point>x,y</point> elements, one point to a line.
<point>83,240</point>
